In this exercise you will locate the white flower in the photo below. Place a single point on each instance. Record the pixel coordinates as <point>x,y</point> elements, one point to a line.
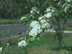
<point>31,11</point>
<point>47,25</point>
<point>48,9</point>
<point>48,15</point>
<point>33,23</point>
<point>59,3</point>
<point>34,10</point>
<point>33,32</point>
<point>0,48</point>
<point>66,8</point>
<point>53,10</point>
<point>22,43</point>
<point>37,12</point>
<point>43,21</point>
<point>38,28</point>
<point>7,44</point>
<point>67,0</point>
<point>23,18</point>
<point>44,24</point>
<point>40,18</point>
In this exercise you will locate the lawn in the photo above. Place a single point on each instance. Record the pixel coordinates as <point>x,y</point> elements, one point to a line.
<point>9,21</point>
<point>43,46</point>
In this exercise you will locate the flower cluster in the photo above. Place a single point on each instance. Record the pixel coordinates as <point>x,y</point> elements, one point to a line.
<point>34,10</point>
<point>48,15</point>
<point>50,9</point>
<point>22,43</point>
<point>45,18</point>
<point>35,28</point>
<point>44,24</point>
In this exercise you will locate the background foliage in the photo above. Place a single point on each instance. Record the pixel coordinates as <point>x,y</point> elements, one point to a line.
<point>17,8</point>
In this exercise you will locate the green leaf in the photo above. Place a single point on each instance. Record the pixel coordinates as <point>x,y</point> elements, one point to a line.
<point>21,46</point>
<point>29,40</point>
<point>62,14</point>
<point>16,4</point>
<point>32,39</point>
<point>45,11</point>
<point>4,34</point>
<point>32,16</point>
<point>26,19</point>
<point>27,24</point>
<point>40,35</point>
<point>66,27</point>
<point>3,53</point>
<point>20,4</point>
<point>26,7</point>
<point>47,19</point>
<point>37,38</point>
<point>2,31</point>
<point>7,32</point>
<point>5,50</point>
<point>56,14</point>
<point>30,28</point>
<point>57,40</point>
<point>11,35</point>
<point>53,18</point>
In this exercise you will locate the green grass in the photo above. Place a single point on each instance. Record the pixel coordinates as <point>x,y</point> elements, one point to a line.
<point>44,45</point>
<point>9,21</point>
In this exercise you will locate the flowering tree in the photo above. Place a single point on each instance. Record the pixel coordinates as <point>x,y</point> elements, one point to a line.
<point>55,12</point>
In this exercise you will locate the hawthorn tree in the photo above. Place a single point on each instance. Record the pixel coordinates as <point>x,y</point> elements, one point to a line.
<point>56,11</point>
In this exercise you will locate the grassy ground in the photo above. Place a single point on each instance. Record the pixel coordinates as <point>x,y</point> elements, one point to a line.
<point>43,46</point>
<point>9,21</point>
